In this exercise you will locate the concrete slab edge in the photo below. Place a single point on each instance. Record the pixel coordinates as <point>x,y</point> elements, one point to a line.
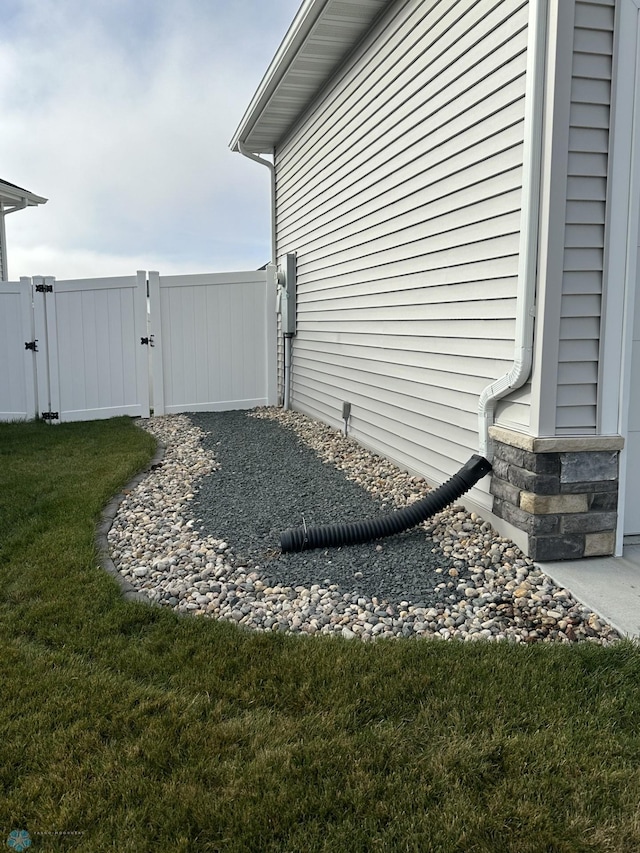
<point>107,516</point>
<point>599,611</point>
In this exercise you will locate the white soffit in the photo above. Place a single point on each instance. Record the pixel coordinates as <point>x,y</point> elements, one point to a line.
<point>322,34</point>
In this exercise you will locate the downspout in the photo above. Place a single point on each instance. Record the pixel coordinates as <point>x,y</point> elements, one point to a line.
<point>529,227</point>
<point>286,379</point>
<point>4,271</point>
<point>272,169</point>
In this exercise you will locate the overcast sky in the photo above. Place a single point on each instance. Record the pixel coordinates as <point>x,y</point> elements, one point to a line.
<point>120,113</point>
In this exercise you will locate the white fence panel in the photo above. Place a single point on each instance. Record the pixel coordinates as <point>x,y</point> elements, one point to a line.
<point>17,363</point>
<point>98,367</point>
<point>214,341</point>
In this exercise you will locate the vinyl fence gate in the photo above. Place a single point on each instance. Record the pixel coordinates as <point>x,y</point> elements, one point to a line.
<point>97,348</point>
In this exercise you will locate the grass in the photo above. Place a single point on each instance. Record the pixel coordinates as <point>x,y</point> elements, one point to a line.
<point>143,730</point>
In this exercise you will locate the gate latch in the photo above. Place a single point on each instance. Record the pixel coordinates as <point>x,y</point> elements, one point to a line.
<point>32,345</point>
<point>148,341</point>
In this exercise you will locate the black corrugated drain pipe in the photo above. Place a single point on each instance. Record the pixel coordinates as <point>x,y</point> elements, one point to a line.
<point>334,535</point>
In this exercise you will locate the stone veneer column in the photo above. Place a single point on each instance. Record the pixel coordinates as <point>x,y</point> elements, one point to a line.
<point>562,492</point>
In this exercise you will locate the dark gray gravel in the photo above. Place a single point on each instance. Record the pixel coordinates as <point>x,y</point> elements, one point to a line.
<point>269,480</point>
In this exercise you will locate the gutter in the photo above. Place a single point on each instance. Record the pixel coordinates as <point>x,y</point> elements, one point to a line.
<point>18,198</point>
<point>529,227</point>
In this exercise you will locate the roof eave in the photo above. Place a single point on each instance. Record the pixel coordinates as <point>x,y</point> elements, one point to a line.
<point>295,37</point>
<point>322,35</point>
<point>16,195</point>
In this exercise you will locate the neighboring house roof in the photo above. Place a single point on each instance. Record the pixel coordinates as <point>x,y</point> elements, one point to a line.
<point>12,198</point>
<point>17,197</point>
<point>321,36</point>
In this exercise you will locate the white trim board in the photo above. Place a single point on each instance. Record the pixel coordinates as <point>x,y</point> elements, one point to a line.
<point>553,215</point>
<point>623,211</point>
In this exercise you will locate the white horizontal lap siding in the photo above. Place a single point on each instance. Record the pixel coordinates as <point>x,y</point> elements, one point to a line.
<point>400,192</point>
<point>585,217</point>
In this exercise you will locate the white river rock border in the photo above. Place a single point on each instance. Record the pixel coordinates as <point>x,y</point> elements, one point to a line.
<point>156,547</point>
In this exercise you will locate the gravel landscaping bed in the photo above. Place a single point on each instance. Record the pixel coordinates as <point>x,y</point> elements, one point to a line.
<point>201,534</point>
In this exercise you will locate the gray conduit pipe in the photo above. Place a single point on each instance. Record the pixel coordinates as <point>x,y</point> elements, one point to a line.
<point>287,372</point>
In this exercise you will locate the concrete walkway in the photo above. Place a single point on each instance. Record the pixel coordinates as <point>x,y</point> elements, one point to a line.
<point>610,586</point>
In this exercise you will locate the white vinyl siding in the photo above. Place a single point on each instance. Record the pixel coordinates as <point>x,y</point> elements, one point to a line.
<point>400,192</point>
<point>576,411</point>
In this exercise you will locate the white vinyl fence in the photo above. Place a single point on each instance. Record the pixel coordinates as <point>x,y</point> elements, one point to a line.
<point>17,362</point>
<point>214,341</point>
<point>97,348</point>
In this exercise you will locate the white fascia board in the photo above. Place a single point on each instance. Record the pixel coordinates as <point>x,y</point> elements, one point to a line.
<point>296,36</point>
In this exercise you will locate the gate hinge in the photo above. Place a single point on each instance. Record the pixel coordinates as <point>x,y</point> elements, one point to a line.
<point>32,345</point>
<point>44,288</point>
<point>50,416</point>
<point>148,341</point>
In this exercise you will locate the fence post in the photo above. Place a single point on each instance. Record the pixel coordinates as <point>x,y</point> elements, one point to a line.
<point>28,325</point>
<point>49,301</point>
<point>143,351</point>
<point>156,331</point>
<point>43,394</point>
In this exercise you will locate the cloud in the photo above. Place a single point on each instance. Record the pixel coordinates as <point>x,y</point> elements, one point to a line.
<point>120,112</point>
<point>84,263</point>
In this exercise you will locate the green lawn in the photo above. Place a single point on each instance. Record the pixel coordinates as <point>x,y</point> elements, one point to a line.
<point>143,730</point>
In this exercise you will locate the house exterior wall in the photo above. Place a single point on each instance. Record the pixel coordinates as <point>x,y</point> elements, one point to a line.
<point>400,192</point>
<point>559,485</point>
<point>582,280</point>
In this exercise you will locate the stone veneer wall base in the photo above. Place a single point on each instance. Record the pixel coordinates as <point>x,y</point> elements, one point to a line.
<point>562,493</point>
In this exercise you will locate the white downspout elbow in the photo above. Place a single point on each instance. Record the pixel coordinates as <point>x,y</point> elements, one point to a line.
<point>529,227</point>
